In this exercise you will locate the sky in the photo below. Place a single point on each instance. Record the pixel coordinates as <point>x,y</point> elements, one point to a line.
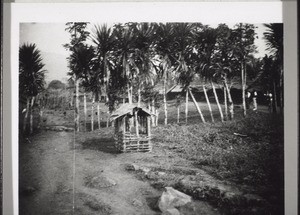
<point>50,37</point>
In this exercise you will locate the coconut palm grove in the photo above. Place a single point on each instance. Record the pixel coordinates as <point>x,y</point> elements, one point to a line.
<point>154,118</point>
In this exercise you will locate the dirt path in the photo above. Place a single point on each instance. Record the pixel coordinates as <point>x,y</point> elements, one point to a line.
<point>102,186</point>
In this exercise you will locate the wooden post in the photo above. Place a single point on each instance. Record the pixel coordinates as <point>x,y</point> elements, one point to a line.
<point>136,123</point>
<point>148,126</point>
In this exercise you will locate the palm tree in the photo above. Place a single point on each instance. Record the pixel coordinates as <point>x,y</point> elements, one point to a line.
<point>274,39</point>
<point>205,41</point>
<point>164,48</point>
<point>143,55</point>
<point>125,40</point>
<point>31,77</point>
<point>104,42</point>
<point>185,58</point>
<point>78,37</point>
<point>243,36</point>
<point>224,62</point>
<point>82,61</point>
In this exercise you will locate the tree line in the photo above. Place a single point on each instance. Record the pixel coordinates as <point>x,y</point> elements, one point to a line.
<point>128,60</point>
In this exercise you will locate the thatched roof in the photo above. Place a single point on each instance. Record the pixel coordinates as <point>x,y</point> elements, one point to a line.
<point>125,109</point>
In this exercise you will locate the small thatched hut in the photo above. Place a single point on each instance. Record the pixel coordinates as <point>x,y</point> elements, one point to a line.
<point>132,128</point>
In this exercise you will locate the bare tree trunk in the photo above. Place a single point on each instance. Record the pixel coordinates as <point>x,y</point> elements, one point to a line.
<point>165,100</point>
<point>186,105</point>
<point>98,115</point>
<point>77,105</point>
<point>243,71</point>
<point>92,114</point>
<point>84,109</point>
<point>197,106</point>
<point>231,111</point>
<point>217,101</point>
<point>26,115</point>
<point>31,115</point>
<point>208,103</point>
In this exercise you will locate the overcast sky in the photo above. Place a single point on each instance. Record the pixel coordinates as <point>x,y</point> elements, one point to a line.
<point>50,37</point>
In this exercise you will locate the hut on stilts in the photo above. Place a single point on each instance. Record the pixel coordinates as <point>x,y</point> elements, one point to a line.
<point>132,128</point>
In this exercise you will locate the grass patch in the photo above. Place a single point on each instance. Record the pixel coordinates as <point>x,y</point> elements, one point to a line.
<point>256,159</point>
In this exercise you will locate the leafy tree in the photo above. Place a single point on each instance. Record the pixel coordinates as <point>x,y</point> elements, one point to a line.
<point>31,78</point>
<point>56,84</point>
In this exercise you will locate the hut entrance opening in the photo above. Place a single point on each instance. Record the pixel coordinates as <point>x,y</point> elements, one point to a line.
<point>132,128</point>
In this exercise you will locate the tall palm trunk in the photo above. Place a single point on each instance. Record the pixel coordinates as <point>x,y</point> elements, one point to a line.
<point>31,115</point>
<point>225,103</point>
<point>26,115</point>
<point>231,111</point>
<point>217,101</point>
<point>165,100</point>
<point>208,103</point>
<point>186,105</point>
<point>197,106</point>
<point>77,105</point>
<point>84,109</point>
<point>108,113</point>
<point>92,114</point>
<point>98,113</point>
<point>243,75</point>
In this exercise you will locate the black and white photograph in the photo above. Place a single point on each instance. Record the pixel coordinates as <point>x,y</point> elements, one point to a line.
<point>151,118</point>
<point>148,108</point>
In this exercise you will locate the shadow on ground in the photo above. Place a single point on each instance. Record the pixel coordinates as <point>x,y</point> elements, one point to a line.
<point>101,144</point>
